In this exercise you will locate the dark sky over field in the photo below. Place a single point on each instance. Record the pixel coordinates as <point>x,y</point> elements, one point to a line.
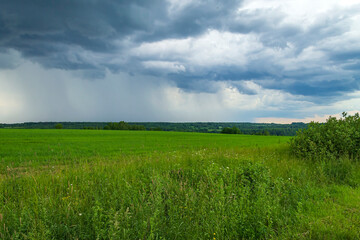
<point>178,60</point>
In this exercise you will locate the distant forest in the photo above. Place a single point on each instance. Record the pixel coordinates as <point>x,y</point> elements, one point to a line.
<point>203,127</point>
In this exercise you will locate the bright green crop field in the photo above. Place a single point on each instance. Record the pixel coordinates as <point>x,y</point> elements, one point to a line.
<point>87,184</point>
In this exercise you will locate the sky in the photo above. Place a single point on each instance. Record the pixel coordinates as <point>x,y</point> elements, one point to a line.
<point>277,61</point>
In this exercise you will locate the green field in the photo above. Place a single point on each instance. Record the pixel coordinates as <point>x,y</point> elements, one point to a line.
<point>23,147</point>
<point>84,184</point>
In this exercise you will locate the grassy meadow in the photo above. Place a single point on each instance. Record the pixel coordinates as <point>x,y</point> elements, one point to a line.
<point>86,184</point>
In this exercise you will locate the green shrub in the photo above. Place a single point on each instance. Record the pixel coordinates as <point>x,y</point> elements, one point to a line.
<point>331,140</point>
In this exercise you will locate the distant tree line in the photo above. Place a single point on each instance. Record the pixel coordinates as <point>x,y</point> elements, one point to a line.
<point>203,127</point>
<point>235,130</point>
<point>92,128</point>
<point>123,126</point>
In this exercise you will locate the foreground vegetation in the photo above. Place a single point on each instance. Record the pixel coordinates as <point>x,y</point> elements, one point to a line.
<point>82,184</point>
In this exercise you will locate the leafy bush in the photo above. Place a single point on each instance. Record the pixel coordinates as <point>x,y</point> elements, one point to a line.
<point>334,139</point>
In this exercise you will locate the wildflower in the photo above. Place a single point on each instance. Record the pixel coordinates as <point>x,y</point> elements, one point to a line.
<point>80,214</point>
<point>64,198</point>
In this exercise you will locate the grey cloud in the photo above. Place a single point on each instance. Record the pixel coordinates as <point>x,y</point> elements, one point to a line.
<point>275,32</point>
<point>194,19</point>
<point>319,79</point>
<point>42,29</point>
<point>55,95</point>
<point>257,20</point>
<point>60,34</point>
<point>9,59</point>
<point>321,83</point>
<point>353,66</point>
<point>344,56</point>
<point>322,79</point>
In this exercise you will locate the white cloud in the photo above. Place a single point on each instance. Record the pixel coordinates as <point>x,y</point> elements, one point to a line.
<point>262,99</point>
<point>212,48</point>
<point>302,12</point>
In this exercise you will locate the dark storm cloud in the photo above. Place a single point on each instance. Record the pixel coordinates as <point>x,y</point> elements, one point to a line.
<point>95,36</point>
<point>44,30</point>
<point>47,30</point>
<point>202,81</point>
<point>194,19</point>
<point>345,56</point>
<point>305,82</point>
<point>354,66</point>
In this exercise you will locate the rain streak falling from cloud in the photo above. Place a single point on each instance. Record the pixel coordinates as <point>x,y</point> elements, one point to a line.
<point>173,60</point>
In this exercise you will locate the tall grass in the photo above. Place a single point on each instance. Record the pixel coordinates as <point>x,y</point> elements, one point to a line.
<point>222,192</point>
